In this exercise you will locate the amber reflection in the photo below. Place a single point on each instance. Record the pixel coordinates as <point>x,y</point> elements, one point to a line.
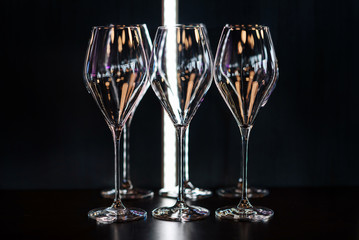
<point>248,89</point>
<point>178,36</point>
<point>122,98</point>
<point>244,36</point>
<point>123,36</point>
<point>238,89</point>
<point>112,35</point>
<point>249,80</point>
<point>240,48</point>
<point>119,44</point>
<point>252,99</point>
<point>196,34</point>
<point>183,36</point>
<point>132,85</point>
<point>107,84</point>
<point>257,33</point>
<point>130,42</point>
<point>251,41</point>
<point>185,43</point>
<point>108,49</point>
<point>192,77</point>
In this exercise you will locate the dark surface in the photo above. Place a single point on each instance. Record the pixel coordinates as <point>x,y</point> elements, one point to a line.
<point>300,213</point>
<point>53,135</point>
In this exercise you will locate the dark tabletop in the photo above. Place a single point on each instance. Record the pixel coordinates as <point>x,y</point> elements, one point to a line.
<point>300,213</point>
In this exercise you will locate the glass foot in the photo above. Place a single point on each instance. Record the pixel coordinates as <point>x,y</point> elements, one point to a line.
<point>180,213</point>
<point>253,214</point>
<point>111,215</point>
<point>134,193</point>
<point>190,192</point>
<point>236,192</point>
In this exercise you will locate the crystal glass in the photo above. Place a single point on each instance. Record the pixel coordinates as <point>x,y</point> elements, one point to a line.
<point>181,74</point>
<point>191,192</point>
<point>127,190</point>
<point>245,72</point>
<point>236,191</point>
<point>116,74</point>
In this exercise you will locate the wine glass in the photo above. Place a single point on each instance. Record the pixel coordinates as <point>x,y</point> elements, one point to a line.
<point>245,71</point>
<point>181,74</point>
<point>236,191</point>
<point>127,191</point>
<point>116,72</point>
<point>191,192</point>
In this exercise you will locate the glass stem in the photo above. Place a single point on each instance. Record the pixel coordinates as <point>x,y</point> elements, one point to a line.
<point>180,132</point>
<point>117,204</point>
<point>126,181</point>
<point>186,153</point>
<point>245,131</point>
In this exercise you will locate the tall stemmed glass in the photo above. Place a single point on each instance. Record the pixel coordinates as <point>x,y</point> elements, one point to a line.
<point>181,74</point>
<point>245,71</point>
<point>116,73</point>
<point>236,191</point>
<point>127,191</point>
<point>191,192</point>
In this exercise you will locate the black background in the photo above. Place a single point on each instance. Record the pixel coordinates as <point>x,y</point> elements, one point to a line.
<point>54,136</point>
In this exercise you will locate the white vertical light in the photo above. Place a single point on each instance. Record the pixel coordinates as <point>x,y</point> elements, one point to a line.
<point>170,12</point>
<point>169,151</point>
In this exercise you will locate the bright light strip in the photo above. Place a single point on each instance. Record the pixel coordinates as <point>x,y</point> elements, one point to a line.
<point>170,12</point>
<point>169,181</point>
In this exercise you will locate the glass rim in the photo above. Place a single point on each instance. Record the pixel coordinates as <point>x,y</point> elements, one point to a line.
<point>199,24</point>
<point>132,25</point>
<point>246,26</point>
<point>117,26</point>
<point>180,26</point>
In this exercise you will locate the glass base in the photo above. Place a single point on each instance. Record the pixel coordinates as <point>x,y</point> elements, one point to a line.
<point>236,192</point>
<point>191,193</point>
<point>134,193</point>
<point>253,214</point>
<point>111,215</point>
<point>180,212</point>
